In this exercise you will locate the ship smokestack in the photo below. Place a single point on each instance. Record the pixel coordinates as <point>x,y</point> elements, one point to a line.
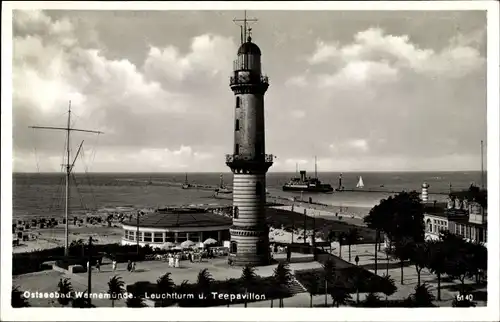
<point>425,192</point>
<point>302,175</point>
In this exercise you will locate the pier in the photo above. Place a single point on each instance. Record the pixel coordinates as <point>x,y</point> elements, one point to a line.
<point>387,191</point>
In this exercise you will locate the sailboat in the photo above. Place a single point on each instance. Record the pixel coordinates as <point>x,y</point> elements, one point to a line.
<point>222,188</point>
<point>186,184</point>
<point>360,183</point>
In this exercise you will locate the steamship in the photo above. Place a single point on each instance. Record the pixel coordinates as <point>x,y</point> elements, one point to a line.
<point>307,184</point>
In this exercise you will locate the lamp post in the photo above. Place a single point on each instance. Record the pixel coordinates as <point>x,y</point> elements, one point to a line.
<point>137,233</point>
<point>356,259</point>
<point>89,268</point>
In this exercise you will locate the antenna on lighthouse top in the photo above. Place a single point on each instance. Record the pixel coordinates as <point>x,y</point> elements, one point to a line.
<point>245,27</point>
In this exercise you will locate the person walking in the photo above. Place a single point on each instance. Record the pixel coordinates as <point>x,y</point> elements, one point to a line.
<point>133,266</point>
<point>114,265</point>
<point>98,266</point>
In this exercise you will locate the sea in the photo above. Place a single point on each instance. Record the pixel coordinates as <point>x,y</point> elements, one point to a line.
<point>42,194</point>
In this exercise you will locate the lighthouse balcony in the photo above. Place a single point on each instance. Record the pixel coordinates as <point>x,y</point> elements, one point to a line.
<point>251,79</point>
<point>250,162</point>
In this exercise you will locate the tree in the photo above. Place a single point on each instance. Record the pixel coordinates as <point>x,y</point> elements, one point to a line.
<point>165,285</point>
<point>339,293</point>
<point>422,296</point>
<point>480,261</point>
<point>459,258</point>
<point>183,288</point>
<point>402,252</point>
<point>375,220</point>
<point>80,301</point>
<point>437,262</point>
<point>18,299</point>
<point>115,288</point>
<point>329,276</point>
<point>352,239</point>
<point>283,278</point>
<point>204,282</point>
<point>388,286</point>
<point>388,253</point>
<point>248,278</point>
<point>419,256</point>
<point>332,236</point>
<point>372,300</point>
<point>65,291</point>
<point>403,217</point>
<point>313,288</point>
<point>341,238</point>
<point>135,301</point>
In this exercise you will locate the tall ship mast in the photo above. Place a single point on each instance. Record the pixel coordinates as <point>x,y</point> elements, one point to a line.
<point>68,167</point>
<point>308,184</point>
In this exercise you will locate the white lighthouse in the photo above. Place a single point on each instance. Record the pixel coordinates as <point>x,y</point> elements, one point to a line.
<point>249,163</point>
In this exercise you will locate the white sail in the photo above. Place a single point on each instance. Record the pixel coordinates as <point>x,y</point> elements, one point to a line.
<point>360,183</point>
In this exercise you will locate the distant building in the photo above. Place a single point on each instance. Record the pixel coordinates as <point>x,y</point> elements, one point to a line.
<point>458,216</point>
<point>176,225</point>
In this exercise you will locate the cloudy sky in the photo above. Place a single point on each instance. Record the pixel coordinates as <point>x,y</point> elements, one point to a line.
<point>374,91</point>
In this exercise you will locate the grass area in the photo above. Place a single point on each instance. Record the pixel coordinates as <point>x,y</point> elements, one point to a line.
<point>288,219</point>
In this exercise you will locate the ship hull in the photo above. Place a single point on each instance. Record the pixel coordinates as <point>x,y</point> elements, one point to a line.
<point>308,189</point>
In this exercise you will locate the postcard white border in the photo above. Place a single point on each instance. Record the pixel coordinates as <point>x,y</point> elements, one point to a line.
<point>490,312</point>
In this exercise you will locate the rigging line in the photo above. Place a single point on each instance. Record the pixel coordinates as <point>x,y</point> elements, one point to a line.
<point>95,148</point>
<point>36,154</point>
<point>82,202</point>
<point>88,180</point>
<point>56,193</point>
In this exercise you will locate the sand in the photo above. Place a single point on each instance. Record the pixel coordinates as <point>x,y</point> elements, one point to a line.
<point>54,237</point>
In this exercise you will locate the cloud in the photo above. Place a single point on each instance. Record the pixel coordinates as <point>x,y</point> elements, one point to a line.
<point>207,60</point>
<point>376,54</point>
<point>370,96</point>
<point>350,146</point>
<point>299,81</point>
<point>135,105</point>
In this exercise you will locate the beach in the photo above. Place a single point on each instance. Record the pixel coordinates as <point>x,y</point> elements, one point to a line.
<point>101,233</point>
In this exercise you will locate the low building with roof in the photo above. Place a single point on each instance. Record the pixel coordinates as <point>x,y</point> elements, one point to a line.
<point>176,225</point>
<point>459,216</point>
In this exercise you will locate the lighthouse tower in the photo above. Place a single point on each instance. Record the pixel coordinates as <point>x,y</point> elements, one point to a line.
<point>249,163</point>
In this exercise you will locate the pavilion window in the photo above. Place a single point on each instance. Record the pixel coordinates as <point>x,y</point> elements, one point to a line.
<point>181,237</point>
<point>158,237</point>
<point>147,237</point>
<point>131,235</point>
<point>194,236</point>
<point>170,236</point>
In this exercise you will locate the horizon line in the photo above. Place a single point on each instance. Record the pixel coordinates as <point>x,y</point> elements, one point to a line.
<point>168,172</point>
